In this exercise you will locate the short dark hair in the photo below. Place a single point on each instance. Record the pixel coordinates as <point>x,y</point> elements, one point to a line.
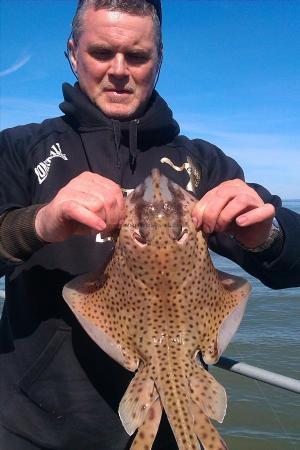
<point>135,7</point>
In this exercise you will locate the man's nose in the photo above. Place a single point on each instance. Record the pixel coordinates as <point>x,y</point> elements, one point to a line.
<point>118,67</point>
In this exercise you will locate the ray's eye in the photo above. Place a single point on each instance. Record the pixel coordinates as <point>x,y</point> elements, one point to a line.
<point>183,235</point>
<point>139,238</point>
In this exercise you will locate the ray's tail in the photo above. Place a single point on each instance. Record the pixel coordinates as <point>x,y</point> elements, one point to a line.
<point>189,399</point>
<point>189,405</point>
<point>176,402</point>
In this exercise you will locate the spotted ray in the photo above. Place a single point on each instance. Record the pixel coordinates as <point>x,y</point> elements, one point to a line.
<point>160,303</point>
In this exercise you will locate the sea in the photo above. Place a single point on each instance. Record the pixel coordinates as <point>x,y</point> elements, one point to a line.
<point>259,416</point>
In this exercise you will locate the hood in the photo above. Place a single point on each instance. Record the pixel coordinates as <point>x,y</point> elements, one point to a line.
<point>155,126</point>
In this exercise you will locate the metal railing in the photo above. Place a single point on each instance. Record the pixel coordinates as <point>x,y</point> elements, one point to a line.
<point>266,376</point>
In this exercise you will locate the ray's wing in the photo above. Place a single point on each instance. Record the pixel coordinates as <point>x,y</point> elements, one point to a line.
<point>225,309</point>
<point>99,302</point>
<point>238,291</point>
<point>218,298</point>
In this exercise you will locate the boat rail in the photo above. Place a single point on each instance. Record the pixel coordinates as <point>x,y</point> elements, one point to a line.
<point>266,376</point>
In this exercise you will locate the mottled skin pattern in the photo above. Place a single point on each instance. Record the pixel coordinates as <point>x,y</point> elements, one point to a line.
<point>158,304</point>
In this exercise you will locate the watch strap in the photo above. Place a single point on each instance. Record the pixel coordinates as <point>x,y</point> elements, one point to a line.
<point>271,248</point>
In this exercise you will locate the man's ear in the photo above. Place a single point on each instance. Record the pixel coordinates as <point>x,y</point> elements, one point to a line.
<point>72,54</point>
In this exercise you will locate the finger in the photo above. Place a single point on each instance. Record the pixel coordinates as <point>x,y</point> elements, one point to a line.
<point>199,209</point>
<point>86,199</point>
<point>90,177</point>
<point>108,191</point>
<point>103,203</point>
<point>117,206</point>
<point>237,206</point>
<point>219,198</point>
<point>111,212</point>
<point>96,182</point>
<point>113,204</point>
<point>72,210</point>
<point>264,213</point>
<point>203,211</point>
<point>117,202</point>
<point>213,211</point>
<point>209,209</point>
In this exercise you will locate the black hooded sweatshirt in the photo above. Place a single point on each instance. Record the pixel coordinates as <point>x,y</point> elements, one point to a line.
<point>59,389</point>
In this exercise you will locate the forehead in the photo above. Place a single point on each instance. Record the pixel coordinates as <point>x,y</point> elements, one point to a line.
<point>117,28</point>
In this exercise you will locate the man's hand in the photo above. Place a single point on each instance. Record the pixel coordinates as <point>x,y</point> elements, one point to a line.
<point>236,208</point>
<point>87,205</point>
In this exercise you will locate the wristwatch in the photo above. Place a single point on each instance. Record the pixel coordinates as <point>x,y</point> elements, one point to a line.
<point>271,248</point>
<point>275,234</point>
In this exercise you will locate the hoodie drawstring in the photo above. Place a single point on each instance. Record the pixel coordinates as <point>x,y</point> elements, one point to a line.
<point>133,142</point>
<point>117,138</point>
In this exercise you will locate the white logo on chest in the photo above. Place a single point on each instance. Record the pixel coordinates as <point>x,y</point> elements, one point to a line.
<point>42,169</point>
<point>193,172</point>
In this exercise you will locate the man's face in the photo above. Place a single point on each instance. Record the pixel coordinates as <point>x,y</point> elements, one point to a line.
<point>116,61</point>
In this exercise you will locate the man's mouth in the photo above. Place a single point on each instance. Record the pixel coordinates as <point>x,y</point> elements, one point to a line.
<point>115,95</point>
<point>119,91</point>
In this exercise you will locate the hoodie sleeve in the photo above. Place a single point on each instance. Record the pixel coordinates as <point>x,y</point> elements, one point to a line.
<point>281,272</point>
<point>14,183</point>
<point>284,270</point>
<point>18,239</point>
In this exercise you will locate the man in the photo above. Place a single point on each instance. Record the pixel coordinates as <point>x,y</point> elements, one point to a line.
<point>62,184</point>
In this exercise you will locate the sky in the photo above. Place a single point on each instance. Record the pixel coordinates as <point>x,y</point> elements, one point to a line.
<point>231,74</point>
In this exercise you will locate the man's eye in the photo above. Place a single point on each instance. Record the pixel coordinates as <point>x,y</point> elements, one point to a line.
<point>103,55</point>
<point>136,58</point>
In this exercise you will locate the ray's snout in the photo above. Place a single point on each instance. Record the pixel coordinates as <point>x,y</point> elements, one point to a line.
<point>158,204</point>
<point>158,188</point>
